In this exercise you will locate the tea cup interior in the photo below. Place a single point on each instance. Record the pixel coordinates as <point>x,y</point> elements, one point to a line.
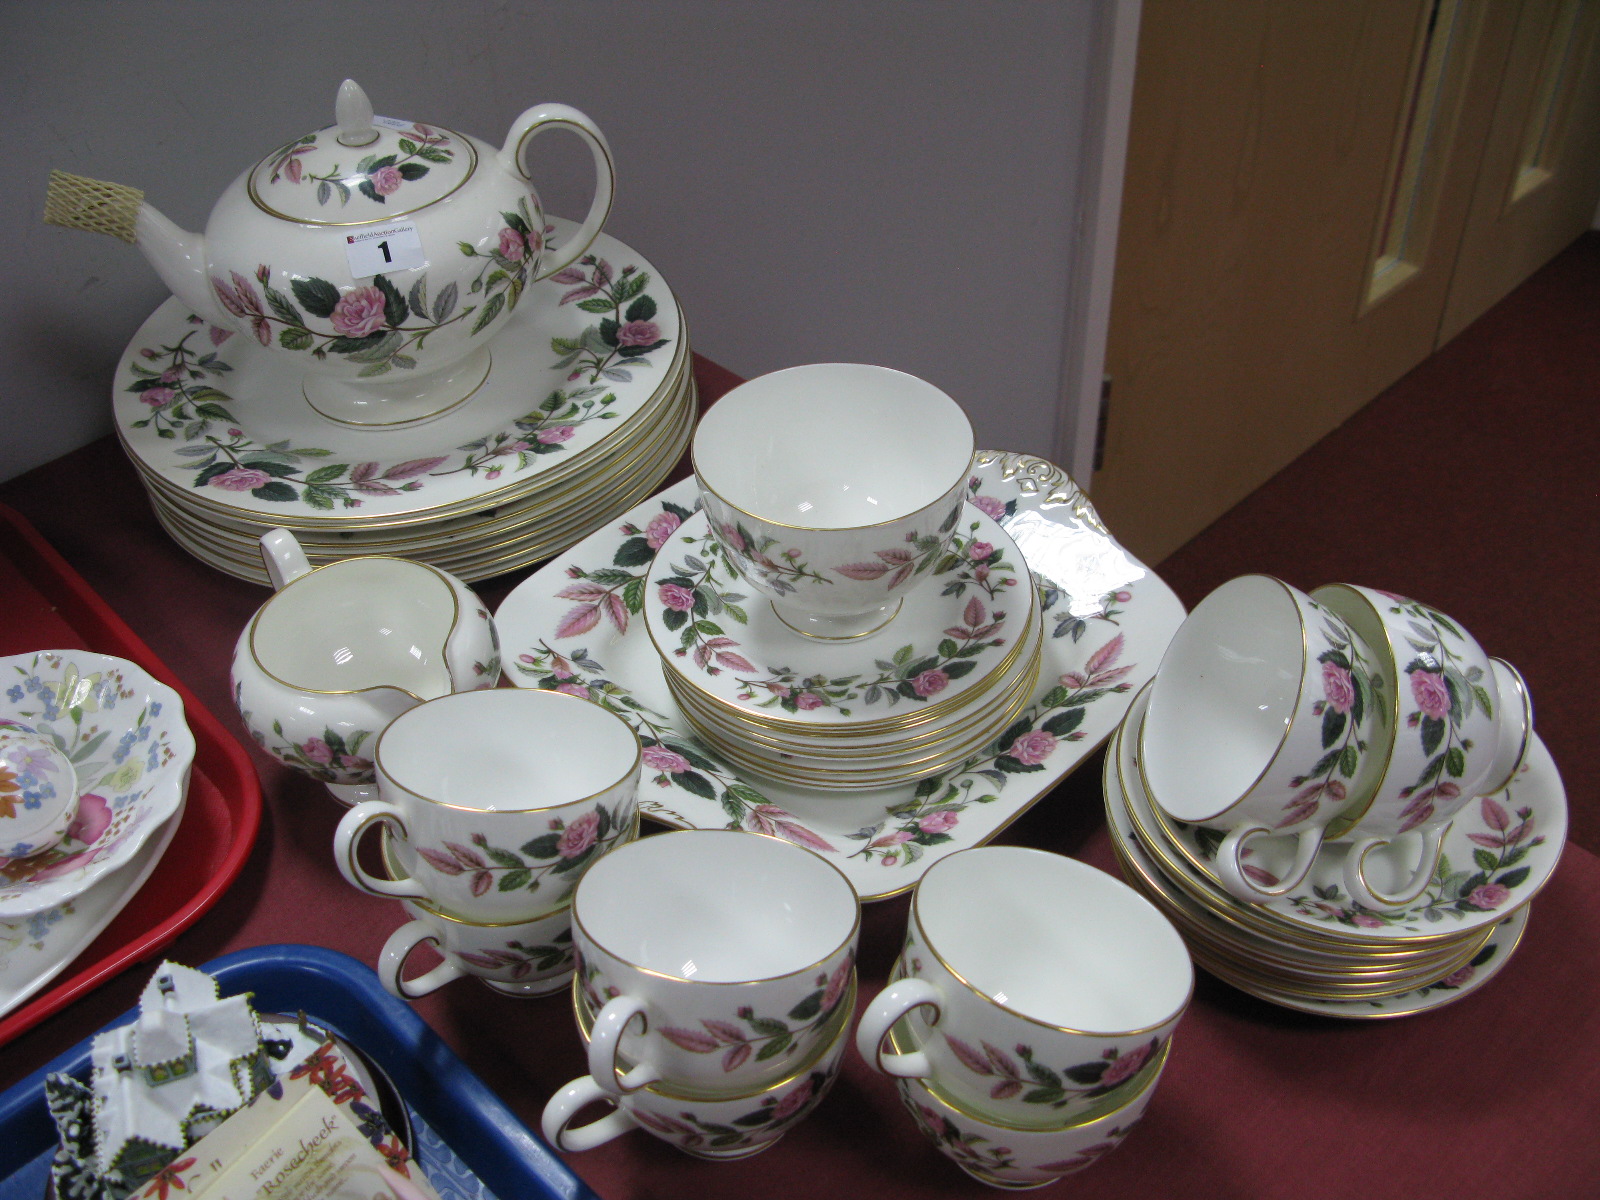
<point>716,906</point>
<point>359,623</point>
<point>1223,697</point>
<point>833,446</point>
<point>507,750</point>
<point>1054,940</point>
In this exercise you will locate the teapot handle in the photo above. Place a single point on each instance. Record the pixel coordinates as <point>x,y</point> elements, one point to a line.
<point>284,557</point>
<point>540,119</point>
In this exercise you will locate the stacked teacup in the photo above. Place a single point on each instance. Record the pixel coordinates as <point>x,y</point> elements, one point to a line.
<point>493,805</point>
<point>1285,786</point>
<point>838,616</point>
<point>715,985</point>
<point>1030,1013</point>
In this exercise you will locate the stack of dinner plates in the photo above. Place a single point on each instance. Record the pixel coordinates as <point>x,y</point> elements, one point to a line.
<point>946,677</point>
<point>572,426</point>
<point>1316,949</point>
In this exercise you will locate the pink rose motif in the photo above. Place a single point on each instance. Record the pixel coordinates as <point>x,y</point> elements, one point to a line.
<point>939,822</point>
<point>990,506</point>
<point>1365,921</point>
<point>930,682</point>
<point>638,333</point>
<point>1429,691</point>
<point>156,397</point>
<point>171,375</point>
<point>837,983</point>
<point>574,689</point>
<point>1126,1066</point>
<point>553,436</point>
<point>94,817</point>
<point>731,538</point>
<point>512,245</point>
<point>661,527</point>
<point>1337,687</point>
<point>579,835</point>
<point>659,758</point>
<point>1489,896</point>
<point>1033,747</point>
<point>358,313</point>
<point>677,597</point>
<point>241,479</point>
<point>978,551</point>
<point>1460,977</point>
<point>354,762</point>
<point>386,181</point>
<point>806,701</point>
<point>317,751</point>
<point>793,1102</point>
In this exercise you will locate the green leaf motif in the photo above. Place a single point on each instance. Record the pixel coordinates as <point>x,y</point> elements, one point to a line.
<point>317,296</point>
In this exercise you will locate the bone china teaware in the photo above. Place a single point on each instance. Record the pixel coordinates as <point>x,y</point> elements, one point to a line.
<point>497,801</point>
<point>340,651</point>
<point>835,488</point>
<point>38,793</point>
<point>518,958</point>
<point>1019,965</point>
<point>712,959</point>
<point>1263,720</point>
<point>377,257</point>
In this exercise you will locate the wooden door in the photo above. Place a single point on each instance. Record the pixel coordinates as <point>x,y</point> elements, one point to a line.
<point>1299,178</point>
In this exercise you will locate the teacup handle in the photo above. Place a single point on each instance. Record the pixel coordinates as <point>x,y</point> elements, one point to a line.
<point>392,962</point>
<point>284,557</point>
<point>566,1103</point>
<point>542,118</point>
<point>347,837</point>
<point>1364,894</point>
<point>1231,868</point>
<point>887,1007</point>
<point>604,1041</point>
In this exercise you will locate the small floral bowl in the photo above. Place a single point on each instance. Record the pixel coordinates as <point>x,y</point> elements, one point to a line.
<point>38,793</point>
<point>125,736</point>
<point>1005,1156</point>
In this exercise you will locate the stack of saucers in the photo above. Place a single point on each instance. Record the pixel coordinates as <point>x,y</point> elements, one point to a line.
<point>889,637</point>
<point>1329,908</point>
<point>577,420</point>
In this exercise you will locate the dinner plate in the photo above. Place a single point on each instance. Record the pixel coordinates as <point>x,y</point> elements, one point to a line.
<point>575,625</point>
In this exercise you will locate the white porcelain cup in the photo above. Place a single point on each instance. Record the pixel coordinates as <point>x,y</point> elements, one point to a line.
<point>712,959</point>
<point>38,793</point>
<point>1262,721</point>
<point>497,801</point>
<point>1007,1156</point>
<point>527,958</point>
<point>834,488</point>
<point>1033,987</point>
<point>713,1127</point>
<point>1441,712</point>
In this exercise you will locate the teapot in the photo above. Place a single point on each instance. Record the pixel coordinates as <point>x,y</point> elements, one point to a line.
<point>377,258</point>
<point>341,650</point>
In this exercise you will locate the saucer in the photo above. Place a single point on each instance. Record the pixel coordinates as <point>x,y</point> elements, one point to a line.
<point>575,624</point>
<point>127,739</point>
<point>215,418</point>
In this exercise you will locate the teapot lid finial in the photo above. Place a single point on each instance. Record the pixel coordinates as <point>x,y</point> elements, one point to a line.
<point>353,112</point>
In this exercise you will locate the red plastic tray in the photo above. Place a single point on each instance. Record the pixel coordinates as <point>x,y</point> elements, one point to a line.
<point>48,606</point>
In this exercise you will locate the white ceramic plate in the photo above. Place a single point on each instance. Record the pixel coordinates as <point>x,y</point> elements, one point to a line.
<point>576,624</point>
<point>126,736</point>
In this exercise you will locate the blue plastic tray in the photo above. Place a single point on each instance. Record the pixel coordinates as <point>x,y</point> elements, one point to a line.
<point>476,1130</point>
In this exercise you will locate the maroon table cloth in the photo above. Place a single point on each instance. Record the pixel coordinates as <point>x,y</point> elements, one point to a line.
<point>1494,1095</point>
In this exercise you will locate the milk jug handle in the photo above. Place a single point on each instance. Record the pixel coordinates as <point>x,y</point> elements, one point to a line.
<point>284,558</point>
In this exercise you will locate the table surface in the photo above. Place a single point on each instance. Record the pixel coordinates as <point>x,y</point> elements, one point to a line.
<point>1495,1094</point>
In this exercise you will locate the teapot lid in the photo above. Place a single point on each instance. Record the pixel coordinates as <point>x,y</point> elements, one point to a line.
<point>361,169</point>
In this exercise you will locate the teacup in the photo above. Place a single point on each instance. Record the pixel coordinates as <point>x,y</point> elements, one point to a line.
<point>1442,713</point>
<point>713,960</point>
<point>713,1127</point>
<point>1035,988</point>
<point>38,793</point>
<point>340,651</point>
<point>1007,1156</point>
<point>525,958</point>
<point>1263,720</point>
<point>834,488</point>
<point>497,801</point>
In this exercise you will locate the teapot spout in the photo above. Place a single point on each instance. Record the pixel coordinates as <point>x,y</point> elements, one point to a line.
<point>178,256</point>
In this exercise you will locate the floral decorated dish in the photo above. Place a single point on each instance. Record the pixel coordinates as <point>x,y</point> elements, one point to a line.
<point>132,751</point>
<point>576,625</point>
